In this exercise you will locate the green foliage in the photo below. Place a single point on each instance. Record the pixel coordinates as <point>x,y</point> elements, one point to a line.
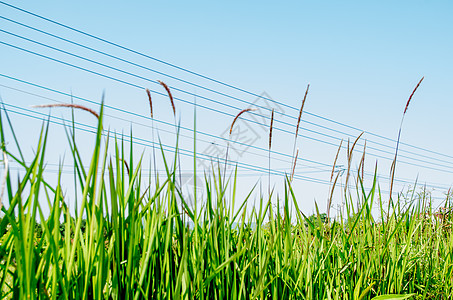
<point>129,240</point>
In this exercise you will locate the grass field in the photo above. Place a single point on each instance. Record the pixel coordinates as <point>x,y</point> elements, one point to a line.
<point>133,240</point>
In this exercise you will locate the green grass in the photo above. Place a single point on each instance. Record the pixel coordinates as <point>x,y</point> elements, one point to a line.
<point>132,240</point>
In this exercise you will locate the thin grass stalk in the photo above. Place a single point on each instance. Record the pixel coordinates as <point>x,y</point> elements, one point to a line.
<point>229,136</point>
<point>362,161</point>
<point>332,187</point>
<point>195,159</point>
<point>361,172</point>
<point>298,123</point>
<point>349,157</point>
<point>150,101</point>
<point>294,165</point>
<point>270,146</point>
<point>148,92</point>
<point>170,96</point>
<point>393,167</point>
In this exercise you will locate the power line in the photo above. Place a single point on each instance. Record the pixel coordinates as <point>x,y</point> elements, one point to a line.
<point>185,152</point>
<point>90,101</point>
<point>178,79</point>
<point>206,77</point>
<point>225,113</point>
<point>159,121</point>
<point>404,181</point>
<point>184,91</point>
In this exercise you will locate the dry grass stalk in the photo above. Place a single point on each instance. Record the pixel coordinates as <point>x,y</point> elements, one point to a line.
<point>329,202</point>
<point>269,159</point>
<point>169,95</point>
<point>413,92</point>
<point>335,161</point>
<point>362,161</point>
<point>294,165</point>
<point>393,167</point>
<point>68,105</point>
<point>301,110</point>
<point>237,116</point>
<point>350,152</point>
<point>231,130</point>
<point>148,92</point>
<point>270,129</point>
<point>361,169</point>
<point>332,188</point>
<point>355,142</point>
<point>298,121</point>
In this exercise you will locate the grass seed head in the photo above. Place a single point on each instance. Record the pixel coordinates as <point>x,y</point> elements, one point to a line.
<point>150,101</point>
<point>301,109</point>
<point>69,105</point>
<point>270,129</point>
<point>169,95</point>
<point>413,92</point>
<point>294,164</point>
<point>237,116</point>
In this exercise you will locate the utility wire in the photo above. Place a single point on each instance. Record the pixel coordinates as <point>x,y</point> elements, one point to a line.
<point>404,181</point>
<point>253,168</point>
<point>171,132</point>
<point>199,86</point>
<point>158,121</point>
<point>182,151</point>
<point>222,112</point>
<point>206,77</point>
<point>146,143</point>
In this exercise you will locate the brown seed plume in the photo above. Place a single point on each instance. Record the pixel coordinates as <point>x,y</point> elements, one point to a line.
<point>413,92</point>
<point>169,95</point>
<point>301,109</point>
<point>335,161</point>
<point>294,165</point>
<point>238,115</point>
<point>393,167</point>
<point>362,161</point>
<point>350,152</point>
<point>270,129</point>
<point>150,101</point>
<point>355,143</point>
<point>68,105</point>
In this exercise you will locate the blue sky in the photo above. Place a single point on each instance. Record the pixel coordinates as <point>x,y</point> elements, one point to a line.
<point>361,58</point>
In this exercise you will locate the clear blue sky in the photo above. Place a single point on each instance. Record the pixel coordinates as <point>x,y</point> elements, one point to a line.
<point>361,58</point>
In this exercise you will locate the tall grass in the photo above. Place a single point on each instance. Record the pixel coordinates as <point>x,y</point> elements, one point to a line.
<point>130,240</point>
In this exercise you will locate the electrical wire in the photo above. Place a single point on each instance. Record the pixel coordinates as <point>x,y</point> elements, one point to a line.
<point>187,82</point>
<point>262,170</point>
<point>205,77</point>
<point>231,115</point>
<point>182,151</point>
<point>205,98</point>
<point>165,123</point>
